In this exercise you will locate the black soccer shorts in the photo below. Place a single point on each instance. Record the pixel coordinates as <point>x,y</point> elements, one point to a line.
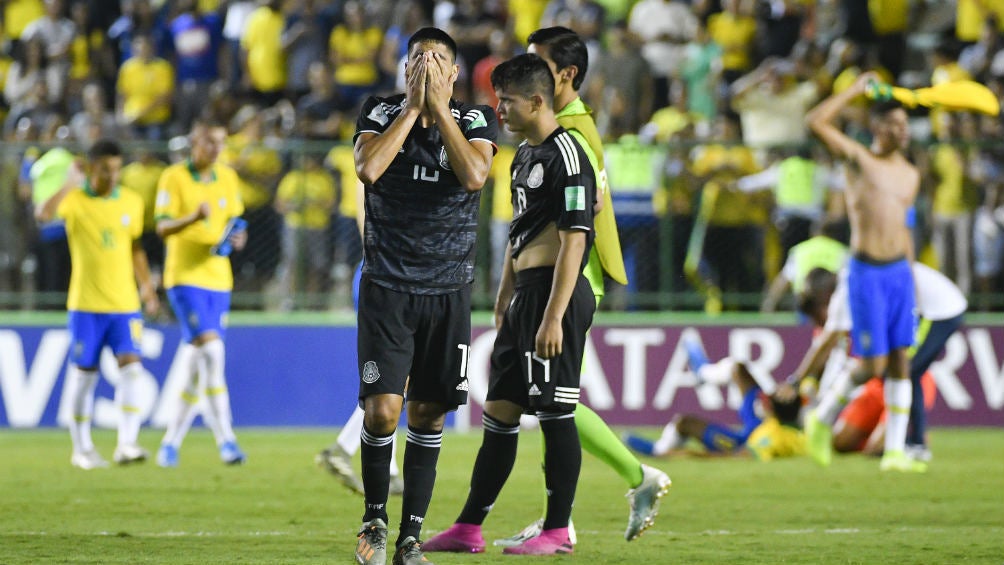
<point>426,337</point>
<point>517,373</point>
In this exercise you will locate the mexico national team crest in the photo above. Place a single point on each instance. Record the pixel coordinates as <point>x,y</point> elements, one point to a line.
<point>536,177</point>
<point>444,159</point>
<point>371,373</point>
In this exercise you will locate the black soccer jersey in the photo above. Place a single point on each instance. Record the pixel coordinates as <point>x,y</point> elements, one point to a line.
<point>421,224</point>
<point>551,183</point>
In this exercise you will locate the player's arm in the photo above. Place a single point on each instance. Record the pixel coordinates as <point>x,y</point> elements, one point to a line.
<point>170,226</point>
<point>815,358</point>
<point>471,160</point>
<point>374,152</point>
<point>820,120</point>
<point>778,287</point>
<point>147,292</point>
<point>507,285</point>
<point>566,272</point>
<point>74,179</point>
<point>603,197</point>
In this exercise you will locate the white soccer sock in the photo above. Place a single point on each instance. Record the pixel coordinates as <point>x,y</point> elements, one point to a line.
<point>719,373</point>
<point>80,385</point>
<point>348,439</point>
<point>898,397</point>
<point>178,426</point>
<point>394,471</point>
<point>127,401</point>
<point>833,400</point>
<point>670,439</point>
<point>217,396</point>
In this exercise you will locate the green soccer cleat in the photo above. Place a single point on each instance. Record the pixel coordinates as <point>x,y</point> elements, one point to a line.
<point>899,461</point>
<point>818,439</point>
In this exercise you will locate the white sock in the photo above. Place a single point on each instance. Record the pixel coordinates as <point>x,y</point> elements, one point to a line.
<point>348,438</point>
<point>177,427</point>
<point>670,439</point>
<point>833,400</point>
<point>80,385</point>
<point>898,397</point>
<point>126,400</point>
<point>719,373</point>
<point>217,396</point>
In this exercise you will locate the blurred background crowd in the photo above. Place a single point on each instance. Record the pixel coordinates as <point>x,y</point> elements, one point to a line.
<point>700,104</point>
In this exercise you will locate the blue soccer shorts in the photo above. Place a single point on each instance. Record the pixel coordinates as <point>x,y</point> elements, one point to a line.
<point>883,306</point>
<point>90,332</point>
<point>199,310</point>
<point>723,439</point>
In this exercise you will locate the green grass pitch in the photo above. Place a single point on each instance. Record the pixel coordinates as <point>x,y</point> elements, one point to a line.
<point>280,508</point>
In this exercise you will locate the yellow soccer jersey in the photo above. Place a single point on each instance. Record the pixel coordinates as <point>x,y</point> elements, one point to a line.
<point>771,440</point>
<point>188,260</point>
<point>143,178</point>
<point>262,40</point>
<point>101,232</point>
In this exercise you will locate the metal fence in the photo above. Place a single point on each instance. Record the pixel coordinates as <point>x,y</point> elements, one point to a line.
<point>697,230</point>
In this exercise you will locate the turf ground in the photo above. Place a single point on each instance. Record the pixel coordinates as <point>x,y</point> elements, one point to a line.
<point>280,508</point>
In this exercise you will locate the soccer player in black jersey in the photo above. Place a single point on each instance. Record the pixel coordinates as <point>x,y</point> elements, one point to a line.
<point>543,309</point>
<point>423,158</point>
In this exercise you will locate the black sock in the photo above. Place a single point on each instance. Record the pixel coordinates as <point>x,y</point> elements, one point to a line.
<point>562,461</point>
<point>421,453</point>
<point>491,469</point>
<point>375,451</point>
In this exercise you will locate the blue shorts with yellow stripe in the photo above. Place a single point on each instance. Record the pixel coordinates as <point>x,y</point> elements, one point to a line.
<point>90,332</point>
<point>723,439</point>
<point>199,310</point>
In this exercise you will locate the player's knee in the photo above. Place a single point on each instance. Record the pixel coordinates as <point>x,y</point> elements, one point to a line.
<point>426,415</point>
<point>382,416</point>
<point>846,442</point>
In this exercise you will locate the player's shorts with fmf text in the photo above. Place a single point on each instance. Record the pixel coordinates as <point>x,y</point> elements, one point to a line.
<point>424,337</point>
<point>517,373</point>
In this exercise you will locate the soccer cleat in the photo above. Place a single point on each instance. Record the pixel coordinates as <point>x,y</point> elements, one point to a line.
<point>818,439</point>
<point>530,532</point>
<point>919,453</point>
<point>549,542</point>
<point>898,461</point>
<point>396,486</point>
<point>640,444</point>
<point>338,463</point>
<point>231,454</point>
<point>458,538</point>
<point>527,533</point>
<point>644,500</point>
<point>88,460</point>
<point>410,553</point>
<point>126,454</point>
<point>696,355</point>
<point>371,547</point>
<point>167,456</point>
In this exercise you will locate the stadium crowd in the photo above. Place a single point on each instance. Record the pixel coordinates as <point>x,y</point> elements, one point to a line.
<point>701,103</point>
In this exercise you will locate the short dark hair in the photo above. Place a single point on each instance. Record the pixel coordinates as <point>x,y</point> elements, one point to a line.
<point>525,74</point>
<point>434,35</point>
<point>881,108</point>
<point>566,49</point>
<point>819,286</point>
<point>104,148</point>
<point>786,411</point>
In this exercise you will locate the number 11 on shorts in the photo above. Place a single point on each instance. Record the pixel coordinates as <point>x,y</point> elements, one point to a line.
<point>530,358</point>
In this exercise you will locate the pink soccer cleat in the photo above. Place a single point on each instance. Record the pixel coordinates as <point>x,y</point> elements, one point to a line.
<point>458,538</point>
<point>549,542</point>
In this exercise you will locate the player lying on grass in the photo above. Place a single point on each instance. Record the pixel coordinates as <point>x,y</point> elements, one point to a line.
<point>768,421</point>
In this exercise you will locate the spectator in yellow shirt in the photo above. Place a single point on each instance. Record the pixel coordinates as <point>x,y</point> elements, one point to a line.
<point>734,30</point>
<point>17,14</point>
<point>145,88</point>
<point>142,177</point>
<point>262,58</point>
<point>306,198</point>
<point>355,46</point>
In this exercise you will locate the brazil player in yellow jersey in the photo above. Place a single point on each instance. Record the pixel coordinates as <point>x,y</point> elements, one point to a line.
<point>566,55</point>
<point>196,201</point>
<point>103,225</point>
